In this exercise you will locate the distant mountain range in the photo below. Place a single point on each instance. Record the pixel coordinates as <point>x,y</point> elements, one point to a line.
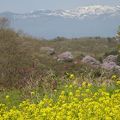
<point>97,20</point>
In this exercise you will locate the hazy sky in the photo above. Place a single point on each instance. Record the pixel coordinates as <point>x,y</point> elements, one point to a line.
<point>29,5</point>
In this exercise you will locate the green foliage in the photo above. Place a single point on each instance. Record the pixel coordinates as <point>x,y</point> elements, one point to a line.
<point>15,97</point>
<point>111,52</point>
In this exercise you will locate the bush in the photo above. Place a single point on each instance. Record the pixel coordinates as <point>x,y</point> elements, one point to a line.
<point>112,52</point>
<point>14,58</point>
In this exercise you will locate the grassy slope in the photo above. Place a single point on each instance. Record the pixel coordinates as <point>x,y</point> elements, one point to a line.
<point>19,53</point>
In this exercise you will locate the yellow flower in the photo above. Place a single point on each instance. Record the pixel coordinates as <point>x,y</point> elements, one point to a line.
<point>32,93</point>
<point>89,84</point>
<point>55,90</point>
<point>72,76</point>
<point>71,104</point>
<point>7,96</point>
<point>118,82</point>
<point>114,77</point>
<point>84,84</point>
<point>70,94</point>
<point>63,92</point>
<point>66,86</point>
<point>70,86</point>
<point>87,90</point>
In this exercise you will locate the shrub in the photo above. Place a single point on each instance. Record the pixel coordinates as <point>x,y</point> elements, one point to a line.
<point>112,52</point>
<point>14,58</point>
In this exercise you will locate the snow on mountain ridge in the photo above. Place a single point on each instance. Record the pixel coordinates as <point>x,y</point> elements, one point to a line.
<point>98,9</point>
<point>83,11</point>
<point>80,12</point>
<point>98,20</point>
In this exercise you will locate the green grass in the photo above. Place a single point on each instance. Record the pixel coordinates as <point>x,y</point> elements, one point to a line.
<point>15,97</point>
<point>37,94</point>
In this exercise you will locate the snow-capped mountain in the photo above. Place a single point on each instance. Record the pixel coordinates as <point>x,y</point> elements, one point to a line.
<point>69,23</point>
<point>80,12</point>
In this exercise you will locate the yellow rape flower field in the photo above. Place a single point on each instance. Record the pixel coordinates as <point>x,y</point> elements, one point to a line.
<point>72,103</point>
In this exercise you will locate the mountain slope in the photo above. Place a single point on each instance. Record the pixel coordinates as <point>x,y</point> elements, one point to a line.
<point>97,20</point>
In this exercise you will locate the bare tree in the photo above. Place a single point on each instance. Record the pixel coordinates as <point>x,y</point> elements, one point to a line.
<point>4,22</point>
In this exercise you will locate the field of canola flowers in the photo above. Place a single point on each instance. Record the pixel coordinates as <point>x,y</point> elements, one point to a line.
<point>73,103</point>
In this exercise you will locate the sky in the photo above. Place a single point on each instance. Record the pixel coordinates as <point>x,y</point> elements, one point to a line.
<point>21,6</point>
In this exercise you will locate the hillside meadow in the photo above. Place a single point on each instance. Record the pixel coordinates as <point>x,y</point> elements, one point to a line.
<point>35,85</point>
